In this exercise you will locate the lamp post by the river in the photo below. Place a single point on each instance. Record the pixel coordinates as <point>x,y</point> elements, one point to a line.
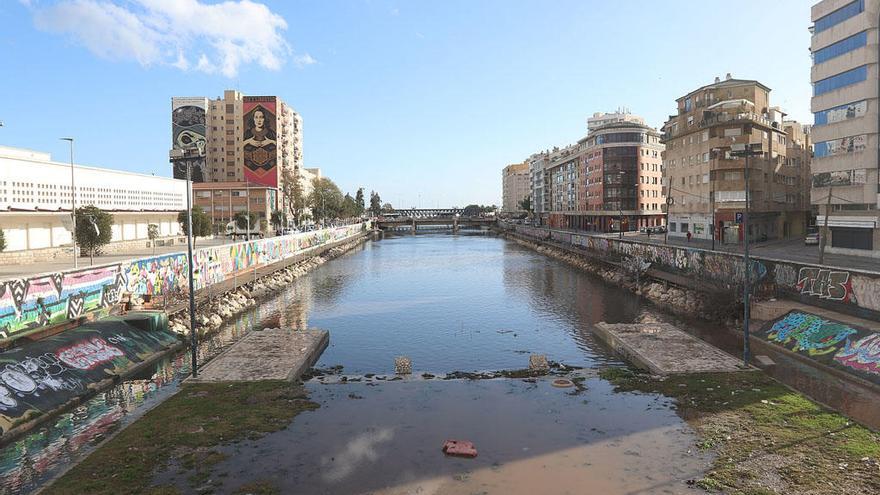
<point>72,200</point>
<point>746,150</point>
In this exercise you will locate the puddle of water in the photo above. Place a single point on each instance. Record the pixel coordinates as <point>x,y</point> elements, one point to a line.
<point>531,437</point>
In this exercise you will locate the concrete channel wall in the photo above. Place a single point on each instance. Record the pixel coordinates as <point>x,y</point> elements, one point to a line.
<point>31,303</point>
<point>847,291</point>
<point>826,340</point>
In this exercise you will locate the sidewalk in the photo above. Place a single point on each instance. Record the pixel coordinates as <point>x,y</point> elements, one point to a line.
<point>17,270</point>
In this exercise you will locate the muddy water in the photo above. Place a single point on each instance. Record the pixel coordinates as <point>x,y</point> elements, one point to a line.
<point>451,303</point>
<point>531,438</point>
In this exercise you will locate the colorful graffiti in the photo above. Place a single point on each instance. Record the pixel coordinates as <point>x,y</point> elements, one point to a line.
<point>824,284</point>
<point>862,354</point>
<point>845,346</point>
<point>47,373</point>
<point>49,299</point>
<point>804,332</point>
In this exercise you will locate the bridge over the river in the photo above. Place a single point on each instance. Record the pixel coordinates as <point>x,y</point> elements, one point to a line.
<point>413,218</point>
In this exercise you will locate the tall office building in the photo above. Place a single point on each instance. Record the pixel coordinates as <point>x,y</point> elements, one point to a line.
<point>845,108</point>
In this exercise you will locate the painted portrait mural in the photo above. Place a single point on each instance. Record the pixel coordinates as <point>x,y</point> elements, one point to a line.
<point>188,131</point>
<point>260,140</point>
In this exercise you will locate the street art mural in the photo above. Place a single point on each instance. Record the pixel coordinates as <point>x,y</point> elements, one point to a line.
<point>840,345</point>
<point>808,333</point>
<point>260,141</point>
<point>48,373</point>
<point>188,131</point>
<point>50,299</point>
<point>862,354</point>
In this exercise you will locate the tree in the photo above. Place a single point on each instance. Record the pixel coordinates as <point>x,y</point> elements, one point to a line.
<point>326,199</point>
<point>153,234</point>
<point>359,200</point>
<point>375,203</point>
<point>349,207</point>
<point>2,241</point>
<point>278,219</point>
<point>387,207</point>
<point>294,196</point>
<point>200,220</point>
<point>243,220</point>
<point>94,229</point>
<point>526,204</point>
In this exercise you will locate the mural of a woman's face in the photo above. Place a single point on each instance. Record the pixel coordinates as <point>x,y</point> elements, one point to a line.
<point>259,119</point>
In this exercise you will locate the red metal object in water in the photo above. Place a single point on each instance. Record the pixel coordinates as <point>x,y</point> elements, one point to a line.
<point>461,448</point>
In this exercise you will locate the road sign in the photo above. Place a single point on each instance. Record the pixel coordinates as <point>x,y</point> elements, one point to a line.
<point>739,217</point>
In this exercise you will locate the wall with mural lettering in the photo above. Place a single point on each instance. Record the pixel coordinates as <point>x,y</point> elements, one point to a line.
<point>849,291</point>
<point>48,299</point>
<point>840,345</point>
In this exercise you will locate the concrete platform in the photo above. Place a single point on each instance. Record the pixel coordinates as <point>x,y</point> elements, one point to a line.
<point>269,354</point>
<point>663,349</point>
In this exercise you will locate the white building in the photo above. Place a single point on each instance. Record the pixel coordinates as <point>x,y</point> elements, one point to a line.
<point>35,201</point>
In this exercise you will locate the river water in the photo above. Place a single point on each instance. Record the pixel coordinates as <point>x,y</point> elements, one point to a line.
<point>450,303</point>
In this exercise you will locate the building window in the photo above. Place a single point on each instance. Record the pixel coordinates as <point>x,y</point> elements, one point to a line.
<point>839,15</point>
<point>843,46</point>
<point>841,80</point>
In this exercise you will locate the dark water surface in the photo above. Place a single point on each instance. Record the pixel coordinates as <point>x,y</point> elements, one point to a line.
<point>450,303</point>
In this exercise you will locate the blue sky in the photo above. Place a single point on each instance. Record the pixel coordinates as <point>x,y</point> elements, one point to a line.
<point>424,102</point>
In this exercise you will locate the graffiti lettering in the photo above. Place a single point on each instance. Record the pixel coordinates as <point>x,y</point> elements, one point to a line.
<point>825,284</point>
<point>7,401</point>
<point>88,354</point>
<point>809,333</point>
<point>863,354</point>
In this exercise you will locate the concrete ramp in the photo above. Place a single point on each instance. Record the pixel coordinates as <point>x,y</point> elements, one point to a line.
<point>270,354</point>
<point>663,349</point>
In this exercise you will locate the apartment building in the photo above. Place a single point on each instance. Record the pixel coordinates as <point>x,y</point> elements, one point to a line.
<point>538,185</point>
<point>252,139</point>
<point>705,183</point>
<point>621,178</point>
<point>222,200</point>
<point>602,118</point>
<point>845,132</point>
<point>514,187</point>
<point>563,172</point>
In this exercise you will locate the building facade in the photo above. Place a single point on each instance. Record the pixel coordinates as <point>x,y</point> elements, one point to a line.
<point>36,199</point>
<point>706,184</point>
<point>514,187</point>
<point>846,112</point>
<point>537,185</point>
<point>253,139</point>
<point>223,200</point>
<point>602,118</point>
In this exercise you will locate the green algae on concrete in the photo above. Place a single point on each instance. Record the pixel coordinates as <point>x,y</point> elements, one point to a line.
<point>767,438</point>
<point>184,430</point>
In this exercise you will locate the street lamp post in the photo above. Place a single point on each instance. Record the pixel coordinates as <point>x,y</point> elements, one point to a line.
<point>72,200</point>
<point>743,150</point>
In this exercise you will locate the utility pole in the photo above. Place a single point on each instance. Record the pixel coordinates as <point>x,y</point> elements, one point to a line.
<point>72,200</point>
<point>822,239</point>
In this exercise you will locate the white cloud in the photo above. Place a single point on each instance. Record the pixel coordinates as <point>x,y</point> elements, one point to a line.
<point>395,12</point>
<point>226,36</point>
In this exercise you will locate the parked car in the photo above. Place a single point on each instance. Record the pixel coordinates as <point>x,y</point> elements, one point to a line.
<point>812,239</point>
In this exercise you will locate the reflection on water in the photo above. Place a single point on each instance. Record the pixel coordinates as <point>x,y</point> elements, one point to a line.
<point>531,438</point>
<point>448,302</point>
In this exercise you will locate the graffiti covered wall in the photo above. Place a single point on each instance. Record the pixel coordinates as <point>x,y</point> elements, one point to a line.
<point>840,345</point>
<point>849,291</point>
<point>48,299</point>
